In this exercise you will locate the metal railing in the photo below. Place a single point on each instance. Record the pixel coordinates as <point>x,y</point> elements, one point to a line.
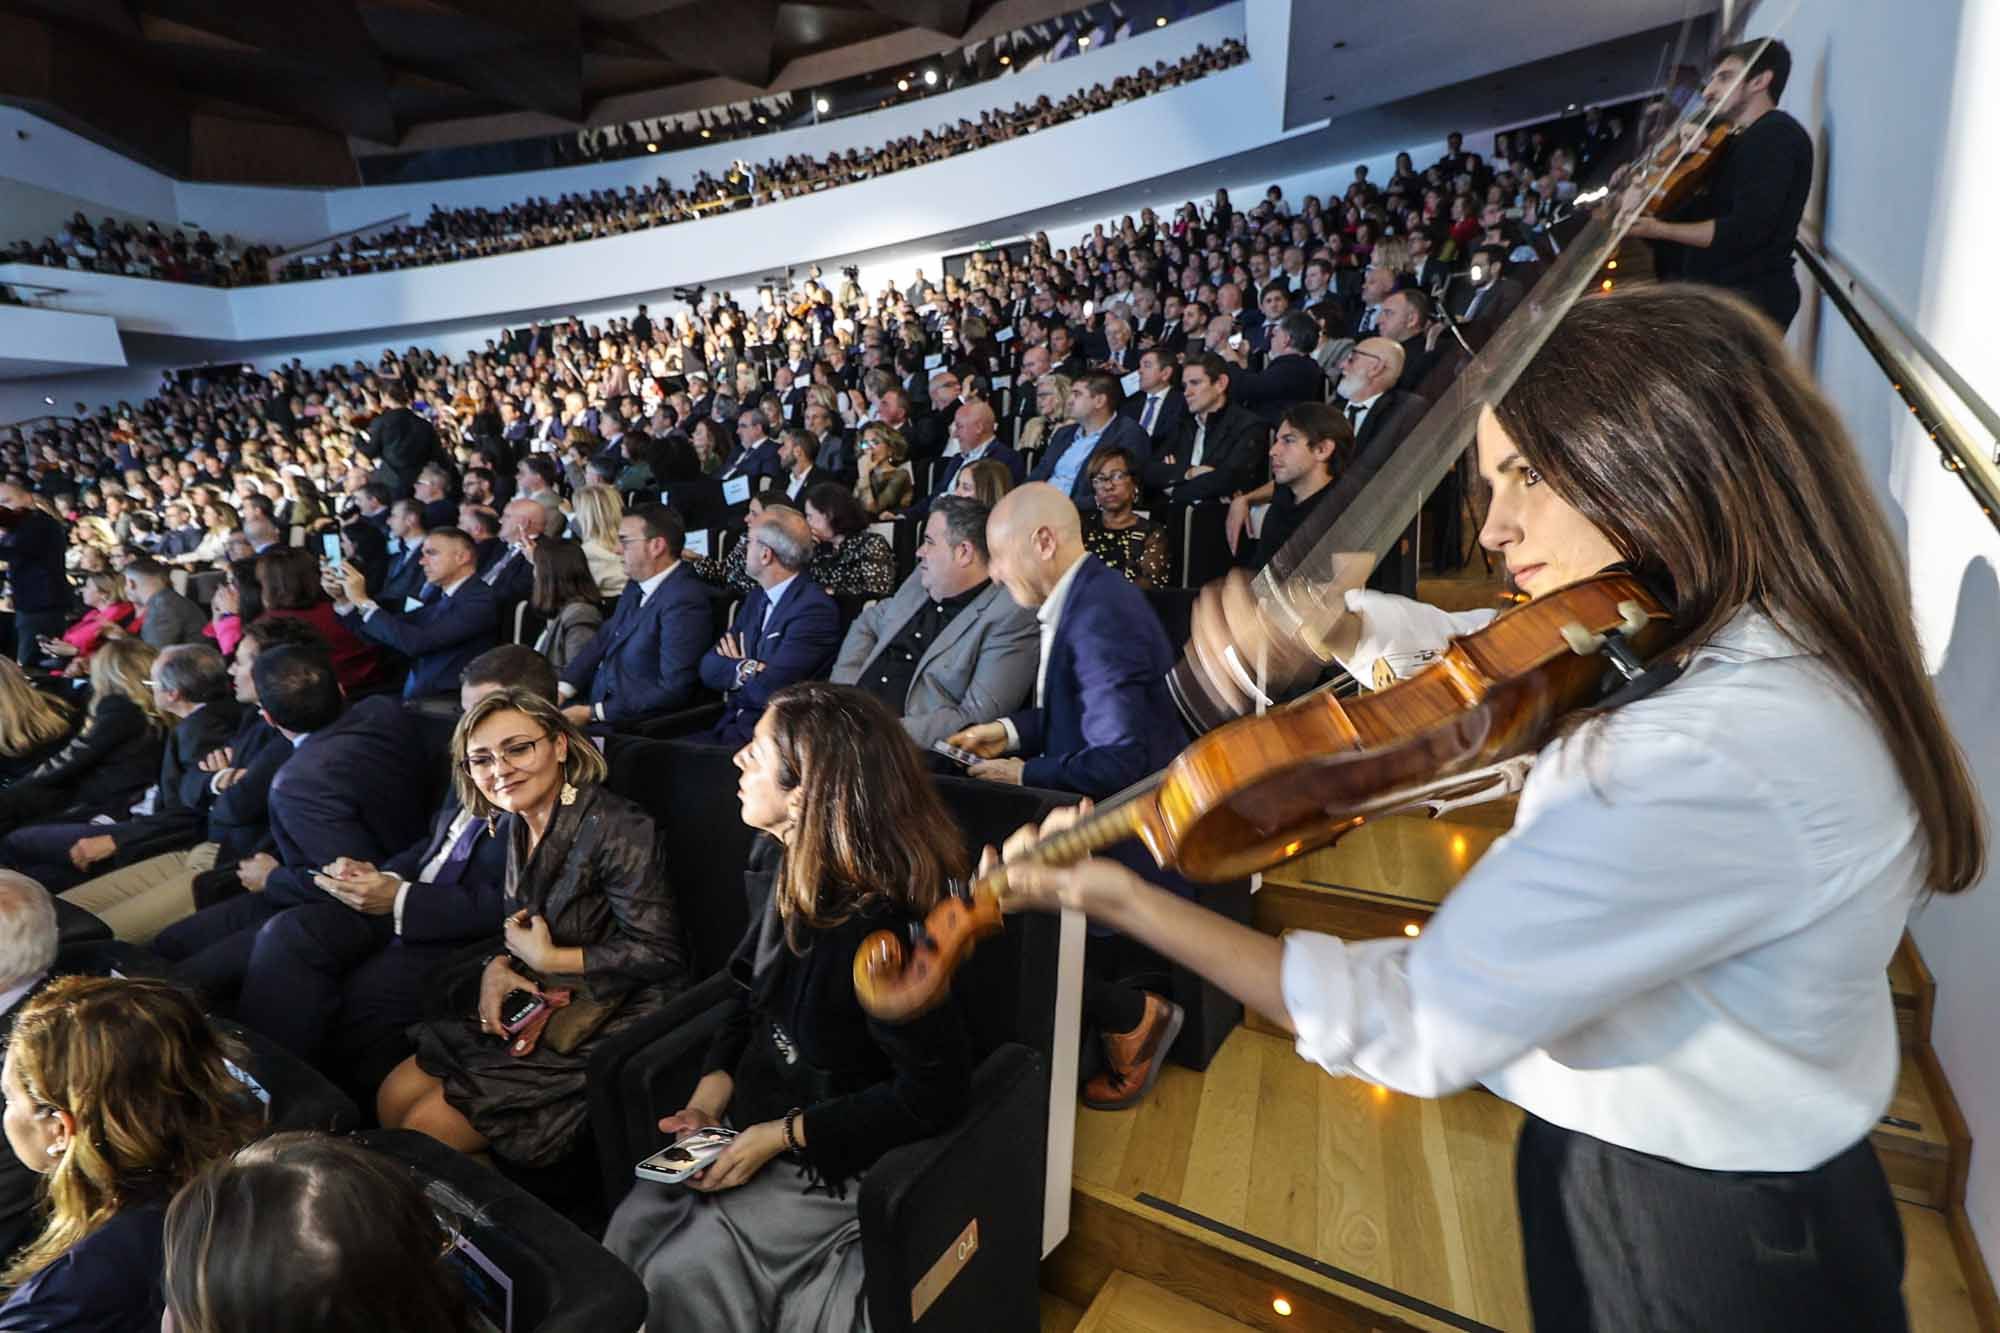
<point>1965,430</point>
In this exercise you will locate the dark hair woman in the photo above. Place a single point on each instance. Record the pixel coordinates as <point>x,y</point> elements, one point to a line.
<point>847,558</point>
<point>288,580</point>
<point>565,592</point>
<point>590,928</point>
<point>1114,532</point>
<point>797,1067</point>
<point>118,1091</point>
<point>376,1264</point>
<point>1675,963</point>
<point>237,602</point>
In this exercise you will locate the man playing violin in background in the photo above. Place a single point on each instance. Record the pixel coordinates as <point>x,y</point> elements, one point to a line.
<point>1755,194</point>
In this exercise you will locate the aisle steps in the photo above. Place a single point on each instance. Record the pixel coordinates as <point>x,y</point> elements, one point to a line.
<point>1133,1305</point>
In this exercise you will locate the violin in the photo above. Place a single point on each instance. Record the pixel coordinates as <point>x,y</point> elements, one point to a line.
<point>1263,789</point>
<point>1686,171</point>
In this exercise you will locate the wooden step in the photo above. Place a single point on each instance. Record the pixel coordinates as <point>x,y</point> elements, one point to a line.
<point>1059,1315</point>
<point>1914,1140</point>
<point>1265,1178</point>
<point>1129,1304</point>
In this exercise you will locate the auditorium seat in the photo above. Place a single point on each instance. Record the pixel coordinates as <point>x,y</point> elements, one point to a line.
<point>563,1280</point>
<point>74,925</point>
<point>918,1202</point>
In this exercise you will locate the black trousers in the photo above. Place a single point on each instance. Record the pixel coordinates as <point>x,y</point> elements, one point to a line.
<point>1618,1241</point>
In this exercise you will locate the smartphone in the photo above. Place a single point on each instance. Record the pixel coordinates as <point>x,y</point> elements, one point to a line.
<point>955,754</point>
<point>518,1009</point>
<point>1235,340</point>
<point>329,548</point>
<point>685,1155</point>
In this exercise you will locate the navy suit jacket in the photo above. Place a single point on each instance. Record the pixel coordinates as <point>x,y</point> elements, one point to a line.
<point>108,1282</point>
<point>1106,719</point>
<point>515,579</point>
<point>357,787</point>
<point>646,660</point>
<point>1122,431</point>
<point>798,642</point>
<point>947,474</point>
<point>1284,381</point>
<point>440,637</point>
<point>1166,422</point>
<point>404,580</point>
<point>759,462</point>
<point>453,913</point>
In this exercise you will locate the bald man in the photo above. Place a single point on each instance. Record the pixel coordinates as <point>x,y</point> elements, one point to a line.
<point>974,435</point>
<point>1100,721</point>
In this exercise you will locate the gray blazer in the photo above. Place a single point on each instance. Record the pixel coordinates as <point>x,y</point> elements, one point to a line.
<point>565,636</point>
<point>172,618</point>
<point>980,669</point>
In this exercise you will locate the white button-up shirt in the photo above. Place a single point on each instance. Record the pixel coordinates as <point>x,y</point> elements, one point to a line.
<point>1680,947</point>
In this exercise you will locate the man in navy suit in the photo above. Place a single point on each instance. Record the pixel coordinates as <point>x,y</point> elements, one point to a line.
<point>1290,375</point>
<point>756,452</point>
<point>974,428</point>
<point>1158,407</point>
<point>457,621</point>
<point>512,575</point>
<point>1101,720</point>
<point>356,785</point>
<point>405,576</point>
<point>339,982</point>
<point>787,630</point>
<point>1094,422</point>
<point>1102,717</point>
<point>646,660</point>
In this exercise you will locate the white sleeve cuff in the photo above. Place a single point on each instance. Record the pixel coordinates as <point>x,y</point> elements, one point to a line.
<point>402,893</point>
<point>1317,982</point>
<point>565,691</point>
<point>369,610</point>
<point>1013,736</point>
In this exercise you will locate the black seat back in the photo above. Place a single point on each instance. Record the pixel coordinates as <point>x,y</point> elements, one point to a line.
<point>563,1281</point>
<point>690,791</point>
<point>1006,988</point>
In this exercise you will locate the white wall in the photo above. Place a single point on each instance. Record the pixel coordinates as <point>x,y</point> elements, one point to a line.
<point>37,342</point>
<point>1903,105</point>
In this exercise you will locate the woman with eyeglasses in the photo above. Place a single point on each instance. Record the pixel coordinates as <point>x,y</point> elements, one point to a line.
<point>118,1091</point>
<point>590,943</point>
<point>1114,532</point>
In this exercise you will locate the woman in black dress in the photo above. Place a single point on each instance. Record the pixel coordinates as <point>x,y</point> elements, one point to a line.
<point>848,560</point>
<point>590,926</point>
<point>767,1237</point>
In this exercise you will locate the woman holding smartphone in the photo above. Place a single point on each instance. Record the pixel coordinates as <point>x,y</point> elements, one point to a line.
<point>767,1237</point>
<point>1675,962</point>
<point>590,931</point>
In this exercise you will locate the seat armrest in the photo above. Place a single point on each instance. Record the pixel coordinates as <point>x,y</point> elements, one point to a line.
<point>635,1074</point>
<point>920,1203</point>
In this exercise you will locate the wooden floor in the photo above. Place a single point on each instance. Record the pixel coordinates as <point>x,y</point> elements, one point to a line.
<point>1415,1195</point>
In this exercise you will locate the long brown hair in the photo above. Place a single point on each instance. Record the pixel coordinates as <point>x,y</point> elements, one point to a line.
<point>858,774</point>
<point>1674,419</point>
<point>29,719</point>
<point>136,1065</point>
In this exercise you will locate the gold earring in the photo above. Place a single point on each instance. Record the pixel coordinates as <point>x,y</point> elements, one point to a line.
<point>568,796</point>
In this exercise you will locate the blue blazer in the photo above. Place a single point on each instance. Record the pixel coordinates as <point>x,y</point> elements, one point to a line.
<point>459,913</point>
<point>108,1282</point>
<point>799,642</point>
<point>1017,467</point>
<point>759,462</point>
<point>440,637</point>
<point>647,658</point>
<point>1106,718</point>
<point>358,787</point>
<point>1122,431</point>
<point>515,578</point>
<point>404,580</point>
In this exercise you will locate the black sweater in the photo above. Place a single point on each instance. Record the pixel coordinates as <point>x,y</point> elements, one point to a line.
<point>796,1036</point>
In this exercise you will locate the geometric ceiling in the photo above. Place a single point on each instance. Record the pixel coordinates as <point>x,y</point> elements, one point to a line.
<point>274,89</point>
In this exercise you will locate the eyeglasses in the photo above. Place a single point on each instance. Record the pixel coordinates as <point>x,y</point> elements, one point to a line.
<point>516,754</point>
<point>1110,478</point>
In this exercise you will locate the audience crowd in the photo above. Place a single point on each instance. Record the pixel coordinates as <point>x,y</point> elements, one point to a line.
<point>321,677</point>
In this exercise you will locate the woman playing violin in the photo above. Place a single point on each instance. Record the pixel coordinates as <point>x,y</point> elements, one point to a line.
<point>1675,962</point>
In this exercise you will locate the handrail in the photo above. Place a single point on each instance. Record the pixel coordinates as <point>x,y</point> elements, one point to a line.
<point>276,261</point>
<point>1964,428</point>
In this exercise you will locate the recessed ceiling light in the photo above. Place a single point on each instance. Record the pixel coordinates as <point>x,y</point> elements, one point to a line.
<point>652,148</point>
